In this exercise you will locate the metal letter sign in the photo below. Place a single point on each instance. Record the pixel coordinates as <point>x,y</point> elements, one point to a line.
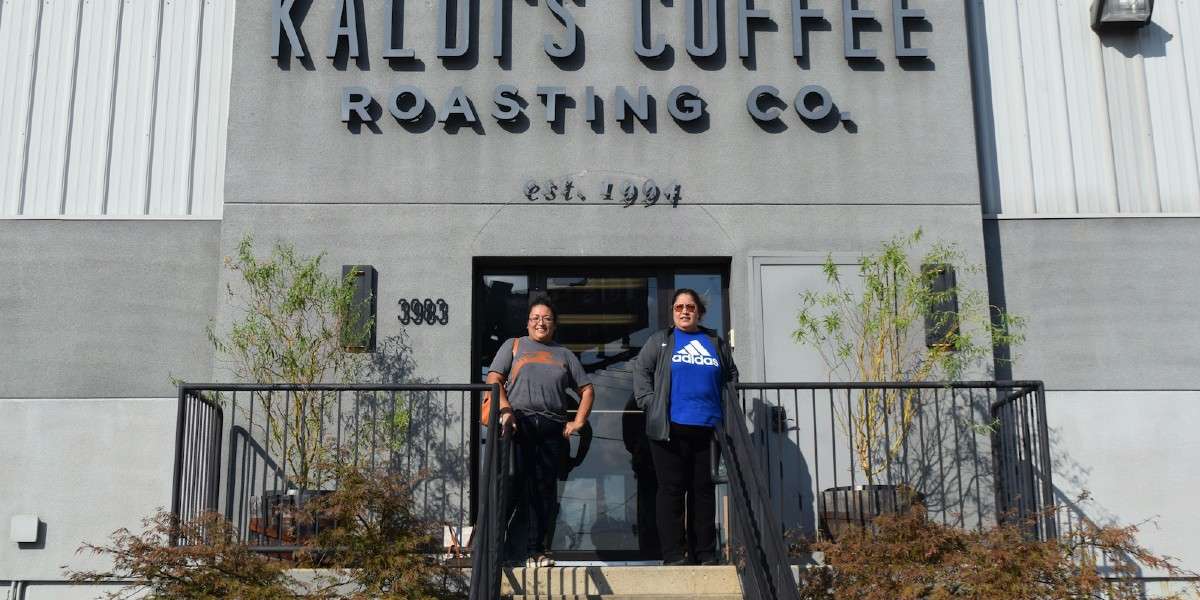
<point>457,34</point>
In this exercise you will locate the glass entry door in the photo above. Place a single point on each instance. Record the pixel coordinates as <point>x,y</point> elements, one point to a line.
<point>605,316</point>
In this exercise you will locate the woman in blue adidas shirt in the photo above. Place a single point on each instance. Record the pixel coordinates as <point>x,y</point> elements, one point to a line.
<point>680,378</point>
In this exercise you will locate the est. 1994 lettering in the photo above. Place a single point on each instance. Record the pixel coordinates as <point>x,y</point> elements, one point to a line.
<point>627,192</point>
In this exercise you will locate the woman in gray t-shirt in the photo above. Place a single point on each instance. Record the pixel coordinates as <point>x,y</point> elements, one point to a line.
<point>536,374</point>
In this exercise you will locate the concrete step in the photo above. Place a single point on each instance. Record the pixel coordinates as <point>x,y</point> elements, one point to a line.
<point>636,597</point>
<point>621,583</point>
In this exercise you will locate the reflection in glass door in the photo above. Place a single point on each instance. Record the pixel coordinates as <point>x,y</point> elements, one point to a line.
<point>605,316</point>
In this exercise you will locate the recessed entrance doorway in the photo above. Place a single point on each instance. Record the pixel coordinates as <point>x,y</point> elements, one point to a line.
<point>607,310</point>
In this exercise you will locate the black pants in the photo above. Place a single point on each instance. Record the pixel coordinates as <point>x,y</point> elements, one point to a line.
<point>533,504</point>
<point>683,466</point>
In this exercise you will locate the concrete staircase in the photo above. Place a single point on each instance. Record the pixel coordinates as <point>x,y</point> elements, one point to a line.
<point>621,583</point>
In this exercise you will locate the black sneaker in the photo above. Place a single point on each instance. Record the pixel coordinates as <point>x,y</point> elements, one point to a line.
<point>678,562</point>
<point>710,561</point>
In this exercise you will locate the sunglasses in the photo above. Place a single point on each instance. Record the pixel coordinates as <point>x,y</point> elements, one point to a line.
<point>685,307</point>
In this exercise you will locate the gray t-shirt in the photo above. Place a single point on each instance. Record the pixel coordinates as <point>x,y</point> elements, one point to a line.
<point>539,376</point>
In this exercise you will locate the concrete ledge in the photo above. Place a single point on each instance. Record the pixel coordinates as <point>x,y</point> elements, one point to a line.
<point>636,597</point>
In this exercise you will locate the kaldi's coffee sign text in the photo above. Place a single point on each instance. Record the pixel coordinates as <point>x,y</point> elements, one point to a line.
<point>684,103</point>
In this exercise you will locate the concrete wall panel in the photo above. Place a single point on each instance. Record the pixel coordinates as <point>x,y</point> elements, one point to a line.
<point>1127,449</point>
<point>86,468</point>
<point>427,250</point>
<point>1108,301</point>
<point>105,308</point>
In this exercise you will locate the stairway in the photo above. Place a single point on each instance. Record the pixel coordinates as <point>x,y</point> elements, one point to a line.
<point>621,583</point>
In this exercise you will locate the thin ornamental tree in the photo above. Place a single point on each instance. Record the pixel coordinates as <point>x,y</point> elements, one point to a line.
<point>878,335</point>
<point>291,321</point>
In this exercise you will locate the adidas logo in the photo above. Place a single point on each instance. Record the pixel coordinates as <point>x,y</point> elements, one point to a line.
<point>695,354</point>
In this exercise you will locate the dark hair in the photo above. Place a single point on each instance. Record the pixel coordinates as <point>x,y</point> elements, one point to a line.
<point>695,296</point>
<point>544,301</point>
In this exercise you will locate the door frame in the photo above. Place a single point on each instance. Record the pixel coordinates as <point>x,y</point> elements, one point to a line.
<point>538,269</point>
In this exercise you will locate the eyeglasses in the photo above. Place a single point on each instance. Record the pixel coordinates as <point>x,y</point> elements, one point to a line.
<point>547,320</point>
<point>685,307</point>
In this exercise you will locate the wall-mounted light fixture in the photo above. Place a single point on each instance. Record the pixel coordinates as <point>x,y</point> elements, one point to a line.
<point>941,322</point>
<point>358,332</point>
<point>23,529</point>
<point>1121,14</point>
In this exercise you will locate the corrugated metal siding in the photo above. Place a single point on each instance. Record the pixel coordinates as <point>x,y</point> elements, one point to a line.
<point>114,107</point>
<point>53,93</point>
<point>1088,123</point>
<point>18,35</point>
<point>93,92</point>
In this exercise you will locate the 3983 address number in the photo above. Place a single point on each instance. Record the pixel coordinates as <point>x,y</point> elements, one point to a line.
<point>423,311</point>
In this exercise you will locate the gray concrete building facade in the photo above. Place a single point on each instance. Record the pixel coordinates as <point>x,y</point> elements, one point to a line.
<point>477,153</point>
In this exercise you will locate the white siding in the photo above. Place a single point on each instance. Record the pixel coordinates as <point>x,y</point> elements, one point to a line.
<point>1091,123</point>
<point>18,62</point>
<point>212,113</point>
<point>93,91</point>
<point>114,107</point>
<point>52,96</point>
<point>130,155</point>
<point>1091,145</point>
<point>1008,104</point>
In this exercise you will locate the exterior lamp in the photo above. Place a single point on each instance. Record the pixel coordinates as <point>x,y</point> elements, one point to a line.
<point>1121,14</point>
<point>358,330</point>
<point>941,320</point>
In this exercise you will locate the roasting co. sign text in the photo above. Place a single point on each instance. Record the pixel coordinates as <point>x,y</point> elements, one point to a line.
<point>684,103</point>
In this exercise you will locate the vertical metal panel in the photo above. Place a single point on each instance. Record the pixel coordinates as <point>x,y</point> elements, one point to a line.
<point>1008,102</point>
<point>90,118</point>
<point>1189,22</point>
<point>18,46</point>
<point>1170,113</point>
<point>1129,117</point>
<point>114,107</point>
<point>1049,133</point>
<point>212,110</point>
<point>171,166</point>
<point>1129,103</point>
<point>1091,146</point>
<point>49,118</point>
<point>131,132</point>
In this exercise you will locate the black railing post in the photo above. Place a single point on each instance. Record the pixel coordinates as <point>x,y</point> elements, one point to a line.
<point>1051,529</point>
<point>177,477</point>
<point>485,556</point>
<point>214,463</point>
<point>1024,483</point>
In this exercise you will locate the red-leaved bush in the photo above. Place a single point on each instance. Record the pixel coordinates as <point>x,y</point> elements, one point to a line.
<point>909,557</point>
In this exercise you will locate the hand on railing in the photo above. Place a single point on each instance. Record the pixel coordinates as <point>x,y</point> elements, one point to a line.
<point>508,423</point>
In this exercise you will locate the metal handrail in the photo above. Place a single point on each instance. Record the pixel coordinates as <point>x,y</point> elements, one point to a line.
<point>205,474</point>
<point>759,550</point>
<point>1021,451</point>
<point>187,431</point>
<point>489,532</point>
<point>335,387</point>
<point>887,385</point>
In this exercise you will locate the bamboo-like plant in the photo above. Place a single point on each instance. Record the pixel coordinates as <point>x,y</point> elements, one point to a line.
<point>292,319</point>
<point>878,335</point>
